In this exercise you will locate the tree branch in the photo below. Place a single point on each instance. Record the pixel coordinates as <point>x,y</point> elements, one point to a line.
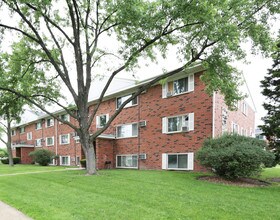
<point>40,107</point>
<point>51,21</point>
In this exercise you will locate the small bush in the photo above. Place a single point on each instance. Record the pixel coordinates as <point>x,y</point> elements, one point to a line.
<point>232,156</point>
<point>3,153</point>
<point>42,156</point>
<point>5,161</point>
<point>83,163</point>
<point>16,160</point>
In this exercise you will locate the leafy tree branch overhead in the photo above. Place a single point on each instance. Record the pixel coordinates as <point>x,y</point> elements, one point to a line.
<point>73,36</point>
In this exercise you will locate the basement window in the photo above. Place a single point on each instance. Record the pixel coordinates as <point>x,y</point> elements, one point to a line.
<point>177,161</point>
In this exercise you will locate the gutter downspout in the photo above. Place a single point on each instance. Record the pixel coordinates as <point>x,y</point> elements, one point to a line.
<point>56,123</point>
<point>213,114</point>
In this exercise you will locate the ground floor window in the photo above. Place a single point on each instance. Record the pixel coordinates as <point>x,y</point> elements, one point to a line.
<point>77,160</point>
<point>52,162</point>
<point>177,161</point>
<point>127,161</point>
<point>65,160</point>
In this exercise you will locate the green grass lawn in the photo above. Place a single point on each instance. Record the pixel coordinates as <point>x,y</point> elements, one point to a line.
<point>132,194</point>
<point>19,168</point>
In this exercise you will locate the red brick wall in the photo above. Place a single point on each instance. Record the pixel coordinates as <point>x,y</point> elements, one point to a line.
<point>152,108</point>
<point>105,152</point>
<point>244,121</point>
<point>25,158</point>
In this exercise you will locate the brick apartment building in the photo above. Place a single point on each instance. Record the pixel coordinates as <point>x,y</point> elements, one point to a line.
<point>161,129</point>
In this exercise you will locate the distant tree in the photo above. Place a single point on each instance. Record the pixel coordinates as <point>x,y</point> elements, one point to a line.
<point>271,90</point>
<point>73,37</point>
<point>18,70</point>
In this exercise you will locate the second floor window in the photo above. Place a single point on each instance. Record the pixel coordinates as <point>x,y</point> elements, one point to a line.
<point>128,130</point>
<point>101,120</point>
<point>64,139</point>
<point>38,142</point>
<point>38,125</point>
<point>122,99</point>
<point>29,136</point>
<point>21,130</point>
<point>180,123</point>
<point>50,141</point>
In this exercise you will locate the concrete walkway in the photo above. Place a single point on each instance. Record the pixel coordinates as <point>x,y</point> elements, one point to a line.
<point>9,213</point>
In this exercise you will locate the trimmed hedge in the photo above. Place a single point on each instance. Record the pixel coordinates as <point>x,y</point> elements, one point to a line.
<point>42,156</point>
<point>16,160</point>
<point>232,156</point>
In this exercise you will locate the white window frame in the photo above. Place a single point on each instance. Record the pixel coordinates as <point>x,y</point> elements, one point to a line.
<point>52,141</point>
<point>133,136</point>
<point>190,86</point>
<point>22,130</point>
<point>51,122</point>
<point>53,162</point>
<point>29,136</point>
<point>190,124</point>
<point>60,139</point>
<point>60,161</point>
<point>190,161</point>
<point>127,155</point>
<point>13,132</point>
<point>128,104</point>
<point>78,162</point>
<point>245,108</point>
<point>67,118</point>
<point>38,128</point>
<point>98,125</point>
<point>234,128</point>
<point>38,142</point>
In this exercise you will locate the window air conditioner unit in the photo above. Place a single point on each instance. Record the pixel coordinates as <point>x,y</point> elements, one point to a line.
<point>169,94</point>
<point>143,123</point>
<point>142,156</point>
<point>185,128</point>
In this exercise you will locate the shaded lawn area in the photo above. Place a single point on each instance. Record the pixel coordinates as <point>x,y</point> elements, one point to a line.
<point>133,194</point>
<point>20,168</point>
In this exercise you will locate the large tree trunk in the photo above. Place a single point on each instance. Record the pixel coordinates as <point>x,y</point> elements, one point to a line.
<point>9,142</point>
<point>91,161</point>
<point>88,147</point>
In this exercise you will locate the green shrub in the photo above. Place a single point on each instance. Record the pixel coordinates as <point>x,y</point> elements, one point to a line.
<point>42,156</point>
<point>232,156</point>
<point>5,161</point>
<point>16,160</point>
<point>83,163</point>
<point>3,153</point>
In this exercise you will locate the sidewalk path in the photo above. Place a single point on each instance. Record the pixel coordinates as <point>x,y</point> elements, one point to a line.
<point>9,213</point>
